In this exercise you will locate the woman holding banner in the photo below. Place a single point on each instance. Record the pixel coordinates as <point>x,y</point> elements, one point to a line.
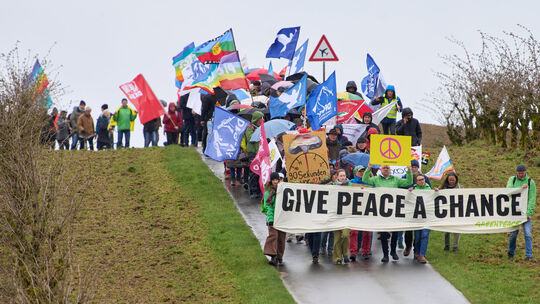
<point>341,237</point>
<point>450,182</point>
<point>274,246</point>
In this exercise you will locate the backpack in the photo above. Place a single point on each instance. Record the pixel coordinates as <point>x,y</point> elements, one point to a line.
<point>528,182</point>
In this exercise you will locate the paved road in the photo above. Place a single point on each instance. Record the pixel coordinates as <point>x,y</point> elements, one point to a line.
<point>395,282</point>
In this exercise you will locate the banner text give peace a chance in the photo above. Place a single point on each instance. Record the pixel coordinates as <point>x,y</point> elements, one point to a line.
<point>314,208</point>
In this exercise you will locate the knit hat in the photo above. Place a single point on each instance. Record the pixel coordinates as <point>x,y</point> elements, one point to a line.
<point>358,168</point>
<point>415,163</point>
<point>256,116</point>
<point>521,168</point>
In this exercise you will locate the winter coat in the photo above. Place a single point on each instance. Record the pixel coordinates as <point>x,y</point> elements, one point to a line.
<point>74,119</point>
<point>424,187</point>
<point>251,146</point>
<point>269,205</point>
<point>63,129</point>
<point>152,125</point>
<point>124,118</point>
<point>515,182</point>
<point>414,178</point>
<point>368,127</point>
<point>383,101</point>
<point>207,107</point>
<point>411,128</point>
<point>174,120</point>
<point>102,130</point>
<point>187,114</point>
<point>389,182</point>
<point>85,126</point>
<point>333,149</point>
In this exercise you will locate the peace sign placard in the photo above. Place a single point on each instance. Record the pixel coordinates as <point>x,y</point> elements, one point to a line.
<point>394,150</point>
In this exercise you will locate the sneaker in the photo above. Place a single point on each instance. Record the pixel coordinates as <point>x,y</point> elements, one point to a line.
<point>338,262</point>
<point>454,250</point>
<point>446,247</point>
<point>394,256</point>
<point>407,251</point>
<point>315,260</point>
<point>530,259</point>
<point>289,238</point>
<point>280,261</point>
<point>385,259</point>
<point>510,256</point>
<point>365,256</point>
<point>299,238</point>
<point>273,261</point>
<point>422,259</point>
<point>346,260</point>
<point>353,258</point>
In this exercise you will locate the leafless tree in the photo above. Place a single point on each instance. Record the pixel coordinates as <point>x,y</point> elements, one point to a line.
<point>38,197</point>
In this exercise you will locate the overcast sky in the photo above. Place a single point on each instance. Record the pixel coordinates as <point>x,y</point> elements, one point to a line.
<point>98,45</point>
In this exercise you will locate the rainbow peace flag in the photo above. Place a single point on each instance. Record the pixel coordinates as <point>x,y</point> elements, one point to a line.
<point>442,165</point>
<point>181,61</point>
<point>230,73</point>
<point>39,81</point>
<point>213,50</point>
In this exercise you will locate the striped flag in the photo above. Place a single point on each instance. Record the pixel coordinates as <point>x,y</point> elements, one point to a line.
<point>442,165</point>
<point>40,82</point>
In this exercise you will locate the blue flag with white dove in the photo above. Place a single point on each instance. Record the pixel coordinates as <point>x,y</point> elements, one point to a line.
<point>227,132</point>
<point>285,43</point>
<point>370,82</point>
<point>322,102</point>
<point>297,63</point>
<point>293,97</point>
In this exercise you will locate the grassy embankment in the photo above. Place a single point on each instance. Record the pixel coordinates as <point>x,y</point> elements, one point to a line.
<point>481,269</point>
<point>157,226</point>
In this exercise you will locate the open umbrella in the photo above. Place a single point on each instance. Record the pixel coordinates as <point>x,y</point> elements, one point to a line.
<point>246,114</point>
<point>358,158</point>
<point>239,106</point>
<point>254,75</point>
<point>272,128</point>
<point>285,84</point>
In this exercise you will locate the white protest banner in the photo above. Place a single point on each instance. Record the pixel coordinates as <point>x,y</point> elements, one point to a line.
<point>304,208</point>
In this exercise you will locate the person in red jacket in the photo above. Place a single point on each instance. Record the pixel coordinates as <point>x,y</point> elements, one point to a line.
<point>172,121</point>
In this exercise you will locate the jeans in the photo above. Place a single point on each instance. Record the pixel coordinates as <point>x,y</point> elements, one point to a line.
<point>122,133</point>
<point>389,128</point>
<point>83,142</point>
<point>189,130</point>
<point>150,137</point>
<point>172,138</point>
<point>314,241</point>
<point>421,238</point>
<point>327,238</point>
<point>527,231</point>
<point>236,173</point>
<point>74,140</point>
<point>384,236</point>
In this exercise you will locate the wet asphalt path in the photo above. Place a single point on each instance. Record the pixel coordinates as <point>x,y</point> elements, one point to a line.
<point>394,282</point>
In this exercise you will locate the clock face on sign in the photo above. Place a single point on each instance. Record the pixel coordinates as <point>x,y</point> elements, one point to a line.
<point>309,167</point>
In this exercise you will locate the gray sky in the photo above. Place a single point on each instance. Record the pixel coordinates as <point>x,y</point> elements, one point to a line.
<point>98,45</point>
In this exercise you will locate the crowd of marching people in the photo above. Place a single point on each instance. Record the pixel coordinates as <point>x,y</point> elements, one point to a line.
<point>185,127</point>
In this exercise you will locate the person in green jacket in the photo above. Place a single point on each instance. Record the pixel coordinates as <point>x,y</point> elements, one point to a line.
<point>125,119</point>
<point>522,180</point>
<point>387,181</point>
<point>274,247</point>
<point>252,147</point>
<point>421,237</point>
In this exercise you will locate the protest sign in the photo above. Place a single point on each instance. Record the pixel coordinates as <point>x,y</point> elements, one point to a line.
<point>390,150</point>
<point>304,208</point>
<point>306,157</point>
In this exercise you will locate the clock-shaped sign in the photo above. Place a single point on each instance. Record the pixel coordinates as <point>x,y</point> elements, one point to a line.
<point>306,157</point>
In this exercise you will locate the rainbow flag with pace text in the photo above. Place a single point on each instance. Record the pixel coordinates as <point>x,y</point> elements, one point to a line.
<point>39,80</point>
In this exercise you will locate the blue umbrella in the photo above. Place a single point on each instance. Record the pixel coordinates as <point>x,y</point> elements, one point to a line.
<point>272,128</point>
<point>358,158</point>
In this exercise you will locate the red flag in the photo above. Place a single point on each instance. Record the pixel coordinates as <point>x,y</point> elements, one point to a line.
<point>347,108</point>
<point>141,96</point>
<point>261,163</point>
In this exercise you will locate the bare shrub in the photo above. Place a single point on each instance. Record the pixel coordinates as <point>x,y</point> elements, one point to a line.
<point>38,201</point>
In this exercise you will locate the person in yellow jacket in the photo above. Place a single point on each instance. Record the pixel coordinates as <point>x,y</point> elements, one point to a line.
<point>389,96</point>
<point>124,120</point>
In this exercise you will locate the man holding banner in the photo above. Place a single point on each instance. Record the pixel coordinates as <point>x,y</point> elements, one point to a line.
<point>387,181</point>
